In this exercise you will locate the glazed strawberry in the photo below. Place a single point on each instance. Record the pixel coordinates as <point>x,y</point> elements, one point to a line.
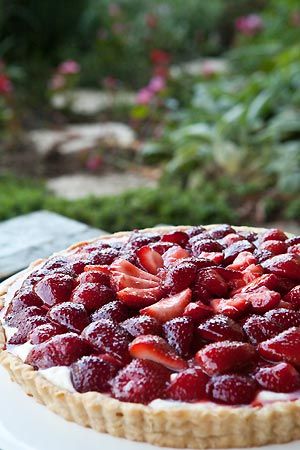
<point>230,238</point>
<point>150,259</point>
<point>280,378</point>
<point>179,334</point>
<point>283,347</point>
<point>140,382</point>
<point>188,385</point>
<point>176,237</point>
<point>20,336</point>
<point>268,281</point>
<point>44,332</point>
<point>250,236</point>
<point>294,249</point>
<point>284,318</point>
<point>242,261</point>
<point>262,255</point>
<point>104,269</point>
<point>199,245</point>
<point>215,257</point>
<point>209,283</point>
<point>195,231</point>
<point>231,307</point>
<point>73,316</point>
<point>138,298</point>
<point>232,389</point>
<point>92,373</point>
<point>275,247</point>
<point>293,241</point>
<point>261,300</point>
<point>220,328</point>
<point>25,297</point>
<point>233,278</point>
<point>121,266</point>
<point>170,307</point>
<point>106,336</point>
<point>161,247</point>
<point>122,281</point>
<point>103,256</point>
<point>220,231</point>
<point>173,254</point>
<point>273,234</point>
<point>179,277</point>
<point>225,356</point>
<point>93,276</point>
<point>138,239</point>
<point>287,265</point>
<point>141,325</point>
<point>16,319</point>
<point>293,297</point>
<point>198,311</point>
<point>54,288</point>
<point>231,252</point>
<point>92,295</point>
<point>60,350</point>
<point>259,329</point>
<point>57,264</point>
<point>252,272</point>
<point>115,311</point>
<point>155,348</point>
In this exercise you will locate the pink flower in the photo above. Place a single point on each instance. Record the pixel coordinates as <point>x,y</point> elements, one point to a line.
<point>208,69</point>
<point>57,82</point>
<point>68,67</point>
<point>249,25</point>
<point>94,162</point>
<point>157,84</point>
<point>144,96</point>
<point>6,86</point>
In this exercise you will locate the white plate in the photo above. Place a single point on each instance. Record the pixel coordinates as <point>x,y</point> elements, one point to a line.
<point>27,425</point>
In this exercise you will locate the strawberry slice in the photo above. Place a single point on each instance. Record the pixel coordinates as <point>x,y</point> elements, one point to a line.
<point>269,281</point>
<point>231,307</point>
<point>127,268</point>
<point>173,254</point>
<point>283,347</point>
<point>150,259</point>
<point>261,300</point>
<point>121,281</point>
<point>97,268</point>
<point>139,298</point>
<point>252,272</point>
<point>242,261</point>
<point>155,348</point>
<point>170,307</point>
<point>216,257</point>
<point>198,311</point>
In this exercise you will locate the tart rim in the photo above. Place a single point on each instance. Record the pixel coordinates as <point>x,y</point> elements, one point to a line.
<point>180,426</point>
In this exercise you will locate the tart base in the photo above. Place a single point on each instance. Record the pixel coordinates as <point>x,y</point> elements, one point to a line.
<point>179,426</point>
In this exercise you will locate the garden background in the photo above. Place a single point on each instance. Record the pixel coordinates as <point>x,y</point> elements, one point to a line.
<point>137,112</point>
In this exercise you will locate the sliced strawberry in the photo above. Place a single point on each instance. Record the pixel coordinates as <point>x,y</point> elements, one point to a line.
<point>231,307</point>
<point>170,307</point>
<point>231,238</point>
<point>280,378</point>
<point>242,261</point>
<point>155,348</point>
<point>273,234</point>
<point>139,298</point>
<point>284,318</point>
<point>220,328</point>
<point>97,268</point>
<point>179,277</point>
<point>275,247</point>
<point>210,282</point>
<point>173,254</point>
<point>232,389</point>
<point>176,237</point>
<point>283,347</point>
<point>294,249</point>
<point>287,265</point>
<point>179,334</point>
<point>293,297</point>
<point>121,281</point>
<point>141,325</point>
<point>225,356</point>
<point>231,252</point>
<point>258,329</point>
<point>220,231</point>
<point>216,257</point>
<point>150,259</point>
<point>198,311</point>
<point>269,281</point>
<point>252,272</point>
<point>188,385</point>
<point>262,300</point>
<point>125,267</point>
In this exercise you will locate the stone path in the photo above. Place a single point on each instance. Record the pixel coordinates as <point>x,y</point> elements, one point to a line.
<point>83,185</point>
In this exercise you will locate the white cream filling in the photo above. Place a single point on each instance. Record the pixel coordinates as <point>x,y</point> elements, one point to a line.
<point>60,376</point>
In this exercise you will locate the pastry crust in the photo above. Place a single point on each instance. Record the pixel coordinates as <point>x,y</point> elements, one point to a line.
<point>182,426</point>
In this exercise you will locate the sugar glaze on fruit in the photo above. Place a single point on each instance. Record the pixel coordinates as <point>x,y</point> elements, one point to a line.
<point>192,316</point>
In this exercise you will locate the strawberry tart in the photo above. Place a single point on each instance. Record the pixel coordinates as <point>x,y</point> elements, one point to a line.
<point>178,336</point>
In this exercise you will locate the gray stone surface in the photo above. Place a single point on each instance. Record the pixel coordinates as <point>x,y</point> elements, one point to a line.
<point>83,185</point>
<point>37,235</point>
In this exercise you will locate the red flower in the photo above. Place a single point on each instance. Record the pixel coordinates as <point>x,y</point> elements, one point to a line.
<point>68,67</point>
<point>249,25</point>
<point>160,57</point>
<point>6,86</point>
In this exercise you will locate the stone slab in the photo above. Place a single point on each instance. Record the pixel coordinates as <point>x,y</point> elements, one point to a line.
<point>26,238</point>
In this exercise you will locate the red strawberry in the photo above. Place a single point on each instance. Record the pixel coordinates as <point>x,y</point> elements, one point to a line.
<point>197,311</point>
<point>232,389</point>
<point>25,297</point>
<point>231,307</point>
<point>242,261</point>
<point>273,234</point>
<point>176,237</point>
<point>92,373</point>
<point>138,298</point>
<point>261,300</point>
<point>214,257</point>
<point>258,329</point>
<point>121,281</point>
<point>44,332</point>
<point>230,238</point>
<point>252,272</point>
<point>179,334</point>
<point>231,252</point>
<point>60,350</point>
<point>188,385</point>
<point>115,311</point>
<point>70,315</point>
<point>155,348</point>
<point>24,329</point>
<point>220,328</point>
<point>293,297</point>
<point>93,276</point>
<point>150,259</point>
<point>294,249</point>
<point>283,347</point>
<point>16,319</point>
<point>141,325</point>
<point>225,356</point>
<point>103,256</point>
<point>140,382</point>
<point>280,378</point>
<point>287,265</point>
<point>173,254</point>
<point>293,241</point>
<point>106,336</point>
<point>121,266</point>
<point>195,231</point>
<point>210,282</point>
<point>92,295</point>
<point>284,318</point>
<point>54,288</point>
<point>269,281</point>
<point>169,307</point>
<point>275,247</point>
<point>220,231</point>
<point>161,247</point>
<point>179,277</point>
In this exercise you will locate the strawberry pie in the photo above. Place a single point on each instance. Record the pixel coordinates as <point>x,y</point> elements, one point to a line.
<point>178,336</point>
